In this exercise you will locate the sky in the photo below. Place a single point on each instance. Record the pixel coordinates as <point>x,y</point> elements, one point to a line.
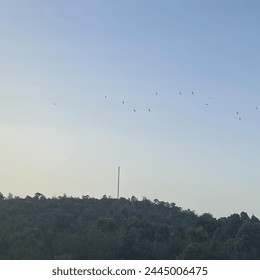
<point>66,67</point>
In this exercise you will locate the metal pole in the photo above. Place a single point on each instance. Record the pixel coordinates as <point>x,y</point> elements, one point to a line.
<point>118,175</point>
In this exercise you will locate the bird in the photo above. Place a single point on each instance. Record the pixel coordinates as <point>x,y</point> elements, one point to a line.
<point>192,92</point>
<point>123,102</point>
<point>240,119</point>
<point>237,113</point>
<point>105,96</point>
<point>54,104</point>
<point>180,93</point>
<point>256,108</point>
<point>156,93</point>
<point>149,109</point>
<point>207,104</point>
<point>134,110</point>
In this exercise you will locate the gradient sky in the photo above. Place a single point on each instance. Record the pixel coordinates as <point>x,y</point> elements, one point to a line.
<point>74,53</point>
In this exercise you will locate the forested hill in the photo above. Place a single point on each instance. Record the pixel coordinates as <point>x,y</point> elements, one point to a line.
<point>88,228</point>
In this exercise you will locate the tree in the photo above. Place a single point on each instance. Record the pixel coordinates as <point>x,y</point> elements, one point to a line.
<point>194,251</point>
<point>103,239</point>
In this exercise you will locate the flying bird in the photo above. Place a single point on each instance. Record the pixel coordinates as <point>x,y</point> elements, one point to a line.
<point>149,109</point>
<point>237,113</point>
<point>54,104</point>
<point>156,93</point>
<point>192,92</point>
<point>105,96</point>
<point>134,110</point>
<point>123,102</point>
<point>180,93</point>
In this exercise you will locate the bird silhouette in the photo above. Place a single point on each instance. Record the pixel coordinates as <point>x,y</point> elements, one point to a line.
<point>105,96</point>
<point>180,93</point>
<point>156,93</point>
<point>134,110</point>
<point>237,113</point>
<point>192,92</point>
<point>149,109</point>
<point>123,102</point>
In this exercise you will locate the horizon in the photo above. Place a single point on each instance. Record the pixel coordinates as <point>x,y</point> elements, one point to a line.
<point>139,199</point>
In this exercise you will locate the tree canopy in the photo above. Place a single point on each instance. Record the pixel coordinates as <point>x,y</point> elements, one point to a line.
<point>89,228</point>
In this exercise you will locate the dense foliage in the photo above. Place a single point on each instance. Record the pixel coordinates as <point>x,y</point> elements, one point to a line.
<point>88,228</point>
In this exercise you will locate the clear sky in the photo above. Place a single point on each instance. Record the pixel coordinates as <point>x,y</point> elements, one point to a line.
<point>59,134</point>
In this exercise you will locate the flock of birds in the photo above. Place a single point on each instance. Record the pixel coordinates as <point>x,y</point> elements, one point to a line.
<point>180,93</point>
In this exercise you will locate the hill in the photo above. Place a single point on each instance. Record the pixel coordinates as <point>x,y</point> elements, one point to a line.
<point>89,228</point>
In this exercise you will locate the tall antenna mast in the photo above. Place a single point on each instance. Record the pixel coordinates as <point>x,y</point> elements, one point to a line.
<point>118,179</point>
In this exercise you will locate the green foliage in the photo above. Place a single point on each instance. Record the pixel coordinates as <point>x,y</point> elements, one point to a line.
<point>87,228</point>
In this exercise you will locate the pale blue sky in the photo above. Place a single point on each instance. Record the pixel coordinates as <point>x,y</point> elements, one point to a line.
<point>74,53</point>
